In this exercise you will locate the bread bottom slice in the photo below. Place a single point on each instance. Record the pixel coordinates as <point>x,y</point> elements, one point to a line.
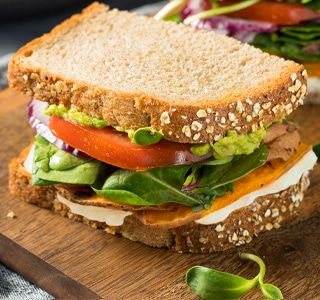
<point>240,227</point>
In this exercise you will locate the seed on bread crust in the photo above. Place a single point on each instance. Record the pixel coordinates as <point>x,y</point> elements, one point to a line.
<point>165,118</point>
<point>201,113</point>
<point>196,126</point>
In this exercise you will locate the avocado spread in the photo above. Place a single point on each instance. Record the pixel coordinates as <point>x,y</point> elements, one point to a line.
<point>74,115</point>
<point>142,136</point>
<point>232,144</point>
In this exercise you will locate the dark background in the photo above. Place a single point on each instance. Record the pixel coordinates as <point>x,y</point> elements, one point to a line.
<point>23,20</point>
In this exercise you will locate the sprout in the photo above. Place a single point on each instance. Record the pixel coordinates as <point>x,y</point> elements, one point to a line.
<point>176,6</point>
<point>212,284</point>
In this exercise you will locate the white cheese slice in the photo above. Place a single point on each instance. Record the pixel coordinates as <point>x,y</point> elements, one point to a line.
<point>111,216</point>
<point>29,160</point>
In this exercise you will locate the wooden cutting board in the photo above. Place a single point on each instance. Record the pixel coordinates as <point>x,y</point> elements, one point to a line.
<point>71,260</point>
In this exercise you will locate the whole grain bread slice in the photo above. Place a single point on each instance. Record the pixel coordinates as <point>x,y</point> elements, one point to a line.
<point>134,71</point>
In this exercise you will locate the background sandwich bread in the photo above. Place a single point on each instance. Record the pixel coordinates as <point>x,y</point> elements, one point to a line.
<point>290,29</point>
<point>194,87</point>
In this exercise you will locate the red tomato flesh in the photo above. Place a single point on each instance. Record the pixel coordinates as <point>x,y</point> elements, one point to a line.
<point>115,148</point>
<point>280,13</point>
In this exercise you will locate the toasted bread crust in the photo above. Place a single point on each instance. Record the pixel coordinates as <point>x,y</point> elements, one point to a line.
<point>239,228</point>
<point>194,89</point>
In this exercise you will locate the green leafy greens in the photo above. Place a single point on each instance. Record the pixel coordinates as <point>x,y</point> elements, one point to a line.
<point>297,42</point>
<point>312,4</point>
<point>52,165</point>
<point>194,185</point>
<point>212,284</point>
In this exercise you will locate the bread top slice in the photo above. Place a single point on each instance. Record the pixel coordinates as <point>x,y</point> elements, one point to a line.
<point>134,71</point>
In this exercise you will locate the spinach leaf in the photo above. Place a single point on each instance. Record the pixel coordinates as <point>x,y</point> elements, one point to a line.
<point>52,165</point>
<point>307,32</point>
<point>151,187</point>
<point>195,185</point>
<point>292,42</point>
<point>312,4</point>
<point>210,175</point>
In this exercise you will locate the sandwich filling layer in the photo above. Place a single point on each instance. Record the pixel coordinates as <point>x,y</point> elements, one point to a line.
<point>292,170</point>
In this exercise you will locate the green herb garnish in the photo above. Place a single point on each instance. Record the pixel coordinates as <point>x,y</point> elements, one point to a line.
<point>176,6</point>
<point>212,284</point>
<point>170,9</point>
<point>219,11</point>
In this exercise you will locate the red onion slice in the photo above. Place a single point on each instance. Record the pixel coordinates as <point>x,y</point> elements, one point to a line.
<point>195,6</point>
<point>235,24</point>
<point>40,122</point>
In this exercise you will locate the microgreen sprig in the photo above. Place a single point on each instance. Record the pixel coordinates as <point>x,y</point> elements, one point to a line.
<point>219,11</point>
<point>169,9</point>
<point>176,6</point>
<point>212,284</point>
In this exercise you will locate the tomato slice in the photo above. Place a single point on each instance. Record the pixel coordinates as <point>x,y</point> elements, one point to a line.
<point>280,13</point>
<point>115,148</point>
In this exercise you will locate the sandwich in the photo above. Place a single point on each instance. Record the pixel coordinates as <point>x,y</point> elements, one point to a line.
<point>174,137</point>
<point>290,29</point>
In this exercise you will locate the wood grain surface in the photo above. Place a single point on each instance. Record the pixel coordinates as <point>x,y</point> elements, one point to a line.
<point>73,261</point>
